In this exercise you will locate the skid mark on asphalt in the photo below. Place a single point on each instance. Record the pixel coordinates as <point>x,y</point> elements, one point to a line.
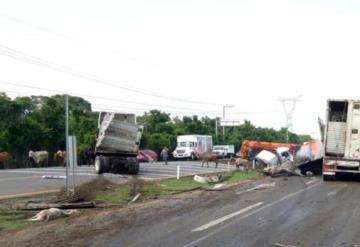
<point>195,242</point>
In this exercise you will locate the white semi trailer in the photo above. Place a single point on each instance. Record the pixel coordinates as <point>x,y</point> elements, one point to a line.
<point>342,142</point>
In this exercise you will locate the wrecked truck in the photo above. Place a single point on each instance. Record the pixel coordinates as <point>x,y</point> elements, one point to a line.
<point>307,160</point>
<point>117,143</point>
<point>249,149</point>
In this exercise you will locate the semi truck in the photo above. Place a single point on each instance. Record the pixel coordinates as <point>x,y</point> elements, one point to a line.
<point>191,146</point>
<point>342,142</point>
<point>117,143</point>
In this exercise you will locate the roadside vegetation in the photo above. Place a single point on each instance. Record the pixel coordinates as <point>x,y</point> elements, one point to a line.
<point>150,190</point>
<point>11,220</point>
<point>38,123</point>
<point>108,194</point>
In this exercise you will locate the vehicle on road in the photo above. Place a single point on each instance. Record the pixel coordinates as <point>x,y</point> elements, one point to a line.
<point>342,142</point>
<point>224,150</point>
<point>192,146</point>
<point>147,155</point>
<point>117,143</point>
<point>249,149</point>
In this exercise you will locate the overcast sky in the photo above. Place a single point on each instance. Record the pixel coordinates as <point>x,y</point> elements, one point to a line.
<point>208,53</point>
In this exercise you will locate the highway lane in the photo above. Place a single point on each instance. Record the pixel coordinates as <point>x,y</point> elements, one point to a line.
<point>19,181</point>
<point>297,212</point>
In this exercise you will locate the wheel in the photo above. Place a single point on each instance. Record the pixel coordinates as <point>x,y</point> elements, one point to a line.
<point>134,166</point>
<point>106,164</point>
<point>192,157</point>
<point>99,164</point>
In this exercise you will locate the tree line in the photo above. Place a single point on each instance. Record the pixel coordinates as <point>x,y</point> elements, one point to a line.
<point>38,123</point>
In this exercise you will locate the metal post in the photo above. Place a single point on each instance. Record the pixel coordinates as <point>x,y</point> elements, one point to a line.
<point>216,127</point>
<point>178,172</point>
<point>67,142</point>
<point>224,120</point>
<point>74,151</point>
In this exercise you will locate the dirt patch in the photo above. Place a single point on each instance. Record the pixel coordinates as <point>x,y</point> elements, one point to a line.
<point>87,191</point>
<point>99,224</point>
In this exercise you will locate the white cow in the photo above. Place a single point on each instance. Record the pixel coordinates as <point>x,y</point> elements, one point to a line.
<point>39,157</point>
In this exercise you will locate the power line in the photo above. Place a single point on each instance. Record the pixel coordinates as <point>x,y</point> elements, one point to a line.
<point>100,97</point>
<point>169,108</point>
<point>25,57</point>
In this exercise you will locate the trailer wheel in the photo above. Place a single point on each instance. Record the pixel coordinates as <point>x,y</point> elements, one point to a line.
<point>106,164</point>
<point>99,164</point>
<point>134,167</point>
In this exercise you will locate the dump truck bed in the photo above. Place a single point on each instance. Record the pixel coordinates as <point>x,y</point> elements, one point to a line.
<point>117,136</point>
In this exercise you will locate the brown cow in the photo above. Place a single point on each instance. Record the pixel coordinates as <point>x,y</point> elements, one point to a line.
<point>241,163</point>
<point>206,157</point>
<point>60,156</point>
<point>4,156</point>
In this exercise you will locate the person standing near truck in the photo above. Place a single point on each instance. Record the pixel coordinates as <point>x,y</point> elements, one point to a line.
<point>164,154</point>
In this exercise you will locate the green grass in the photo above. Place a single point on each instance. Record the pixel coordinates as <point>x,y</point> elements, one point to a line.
<point>158,189</point>
<point>11,220</point>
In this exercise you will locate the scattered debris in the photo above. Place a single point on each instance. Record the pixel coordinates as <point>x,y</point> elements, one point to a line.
<point>135,198</point>
<point>218,186</point>
<point>52,214</point>
<point>41,206</point>
<point>288,168</point>
<point>309,174</point>
<point>53,177</point>
<point>208,179</point>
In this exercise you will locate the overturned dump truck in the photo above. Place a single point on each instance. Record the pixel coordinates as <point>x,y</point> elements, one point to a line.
<point>117,143</point>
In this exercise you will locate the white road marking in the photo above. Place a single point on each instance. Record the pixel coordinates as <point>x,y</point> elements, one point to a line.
<point>18,178</point>
<point>193,243</point>
<point>311,181</point>
<point>334,192</point>
<point>226,217</point>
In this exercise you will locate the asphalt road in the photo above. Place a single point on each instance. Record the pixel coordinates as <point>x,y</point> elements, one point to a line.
<point>22,181</point>
<point>296,212</point>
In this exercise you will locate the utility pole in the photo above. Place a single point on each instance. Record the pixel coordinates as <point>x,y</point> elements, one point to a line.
<point>224,108</point>
<point>289,112</point>
<point>67,142</point>
<point>216,127</point>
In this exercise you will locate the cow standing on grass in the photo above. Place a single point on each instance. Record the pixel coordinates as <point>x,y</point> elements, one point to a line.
<point>206,157</point>
<point>4,156</point>
<point>39,157</point>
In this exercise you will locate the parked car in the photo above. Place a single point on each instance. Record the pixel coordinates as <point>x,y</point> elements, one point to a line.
<point>147,155</point>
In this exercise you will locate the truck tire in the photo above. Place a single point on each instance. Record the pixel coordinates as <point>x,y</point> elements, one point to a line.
<point>99,164</point>
<point>134,166</point>
<point>192,157</point>
<point>106,164</point>
<point>134,169</point>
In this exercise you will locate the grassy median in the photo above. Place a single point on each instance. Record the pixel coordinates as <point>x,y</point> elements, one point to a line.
<point>157,189</point>
<point>10,219</point>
